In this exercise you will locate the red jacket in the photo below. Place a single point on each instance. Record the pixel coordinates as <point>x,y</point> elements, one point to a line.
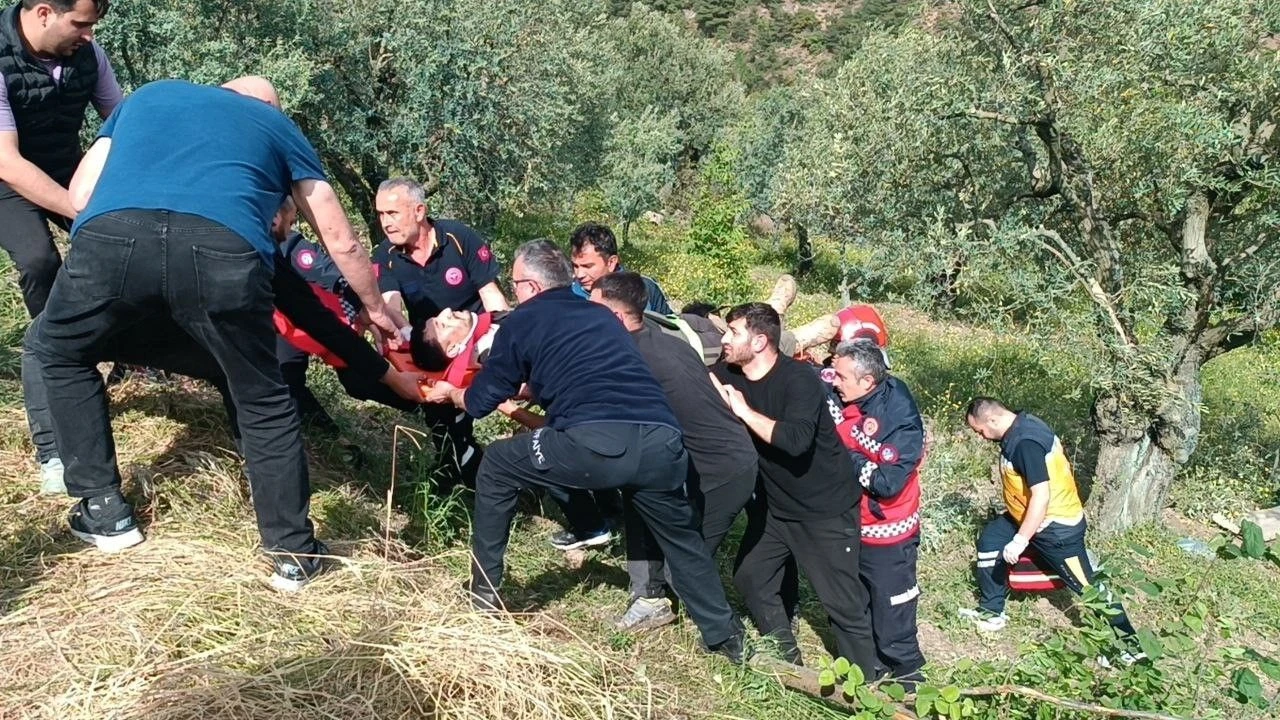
<point>885,435</point>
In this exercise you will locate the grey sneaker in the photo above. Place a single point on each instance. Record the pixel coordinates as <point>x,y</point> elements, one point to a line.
<point>646,614</point>
<point>107,522</point>
<point>51,482</point>
<point>985,620</point>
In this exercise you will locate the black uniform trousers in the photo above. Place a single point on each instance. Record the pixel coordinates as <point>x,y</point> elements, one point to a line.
<point>827,551</point>
<point>646,461</point>
<point>889,574</point>
<point>140,269</point>
<point>716,510</point>
<point>1059,546</point>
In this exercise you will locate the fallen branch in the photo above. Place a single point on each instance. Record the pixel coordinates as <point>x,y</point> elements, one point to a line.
<point>1064,703</point>
<point>805,680</point>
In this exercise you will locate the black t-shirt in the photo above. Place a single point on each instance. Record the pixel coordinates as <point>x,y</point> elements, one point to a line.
<point>719,444</point>
<point>805,471</point>
<point>1028,460</point>
<point>461,264</point>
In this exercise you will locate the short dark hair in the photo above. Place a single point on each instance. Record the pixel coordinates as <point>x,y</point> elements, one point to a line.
<point>701,309</point>
<point>67,5</point>
<point>866,355</point>
<point>980,408</point>
<point>425,348</point>
<point>625,288</point>
<point>761,319</point>
<point>597,236</point>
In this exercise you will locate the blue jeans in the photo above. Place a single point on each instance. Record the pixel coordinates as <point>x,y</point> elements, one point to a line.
<point>134,280</point>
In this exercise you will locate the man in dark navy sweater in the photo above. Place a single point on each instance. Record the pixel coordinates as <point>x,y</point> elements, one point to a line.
<point>603,430</point>
<point>810,508</point>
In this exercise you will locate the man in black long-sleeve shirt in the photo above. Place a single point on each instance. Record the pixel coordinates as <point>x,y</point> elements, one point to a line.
<point>603,430</point>
<point>810,509</point>
<point>722,460</point>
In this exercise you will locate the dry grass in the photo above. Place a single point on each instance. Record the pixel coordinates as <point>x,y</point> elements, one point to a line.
<point>185,626</point>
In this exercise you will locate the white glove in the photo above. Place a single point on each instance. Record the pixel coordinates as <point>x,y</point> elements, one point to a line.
<point>1013,551</point>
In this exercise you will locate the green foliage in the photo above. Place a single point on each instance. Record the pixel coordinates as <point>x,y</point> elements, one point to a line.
<point>1251,545</point>
<point>488,102</point>
<point>1012,162</point>
<point>659,67</point>
<point>717,240</point>
<point>639,164</point>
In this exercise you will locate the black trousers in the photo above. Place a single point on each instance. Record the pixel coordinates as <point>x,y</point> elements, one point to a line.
<point>716,510</point>
<point>646,461</point>
<point>827,551</point>
<point>889,574</point>
<point>25,235</point>
<point>293,370</point>
<point>139,269</point>
<point>1059,546</point>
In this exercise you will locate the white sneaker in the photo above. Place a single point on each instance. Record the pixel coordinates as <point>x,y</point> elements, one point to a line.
<point>51,482</point>
<point>1126,659</point>
<point>985,621</point>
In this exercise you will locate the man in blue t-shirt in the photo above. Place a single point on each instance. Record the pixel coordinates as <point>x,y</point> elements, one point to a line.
<point>595,254</point>
<point>603,430</point>
<point>175,200</point>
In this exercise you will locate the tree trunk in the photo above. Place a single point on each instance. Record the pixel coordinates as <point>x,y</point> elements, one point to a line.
<point>804,249</point>
<point>1140,454</point>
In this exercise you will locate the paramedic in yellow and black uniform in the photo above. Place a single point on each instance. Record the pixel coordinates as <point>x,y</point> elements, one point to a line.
<point>1042,510</point>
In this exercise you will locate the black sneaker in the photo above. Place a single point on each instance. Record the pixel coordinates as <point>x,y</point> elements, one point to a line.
<point>731,648</point>
<point>568,540</point>
<point>484,599</point>
<point>294,570</point>
<point>105,521</point>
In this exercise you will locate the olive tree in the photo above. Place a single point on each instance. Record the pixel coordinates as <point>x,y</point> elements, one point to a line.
<point>1115,153</point>
<point>488,103</point>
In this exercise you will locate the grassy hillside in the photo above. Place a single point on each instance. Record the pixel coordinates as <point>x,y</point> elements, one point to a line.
<point>185,626</point>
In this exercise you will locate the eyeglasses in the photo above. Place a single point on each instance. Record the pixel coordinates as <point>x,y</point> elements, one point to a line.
<point>515,284</point>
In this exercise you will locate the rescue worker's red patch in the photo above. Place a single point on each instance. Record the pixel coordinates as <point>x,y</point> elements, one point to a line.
<point>484,254</point>
<point>306,259</point>
<point>453,276</point>
<point>888,454</point>
<point>870,426</point>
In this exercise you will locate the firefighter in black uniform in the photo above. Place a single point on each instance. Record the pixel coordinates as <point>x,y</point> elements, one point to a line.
<point>882,429</point>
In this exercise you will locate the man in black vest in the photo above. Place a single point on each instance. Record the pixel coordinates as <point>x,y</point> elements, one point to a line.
<point>52,71</point>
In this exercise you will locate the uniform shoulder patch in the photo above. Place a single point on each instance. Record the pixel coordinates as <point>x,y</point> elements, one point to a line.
<point>870,426</point>
<point>484,253</point>
<point>306,259</point>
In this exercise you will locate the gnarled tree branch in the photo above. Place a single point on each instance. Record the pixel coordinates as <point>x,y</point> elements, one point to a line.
<point>1053,242</point>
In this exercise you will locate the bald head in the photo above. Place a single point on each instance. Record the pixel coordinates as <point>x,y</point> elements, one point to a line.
<point>255,86</point>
